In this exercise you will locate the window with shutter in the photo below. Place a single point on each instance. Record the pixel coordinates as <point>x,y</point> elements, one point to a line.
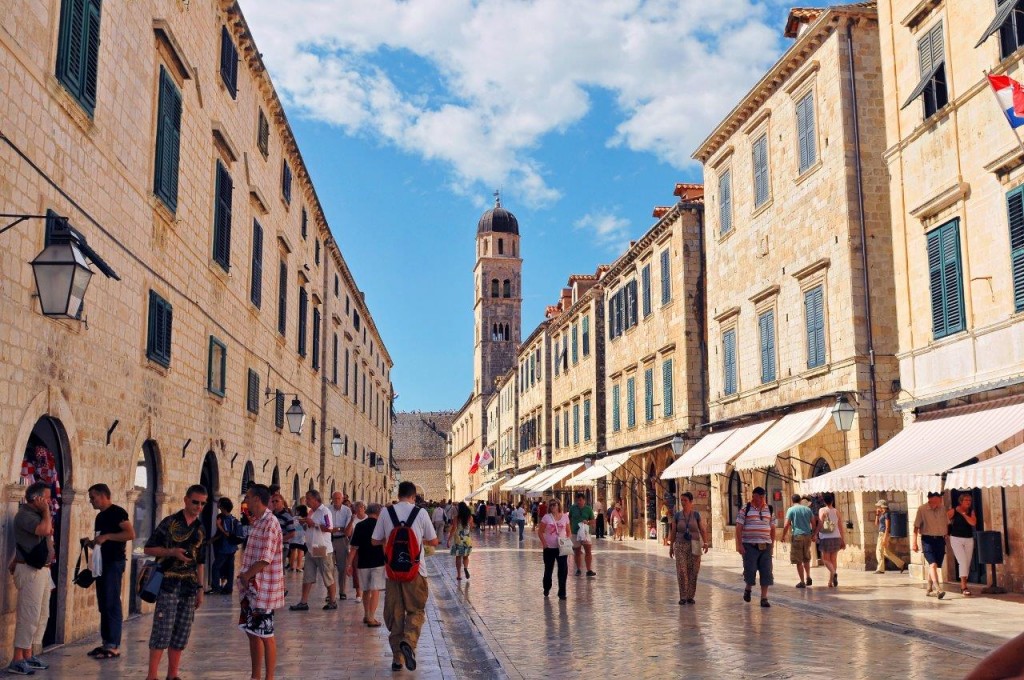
<point>256,284</point>
<point>1015,207</point>
<point>805,131</point>
<point>334,361</point>
<point>616,422</point>
<point>725,202</point>
<point>228,62</point>
<point>586,336</point>
<point>631,402</point>
<point>286,182</point>
<point>316,338</point>
<point>645,289</point>
<point>666,277</point>
<point>575,424</point>
<point>558,430</point>
<point>279,409</point>
<point>946,280</point>
<point>1011,26</point>
<point>216,374</point>
<point>586,420</point>
<point>316,252</point>
<point>575,346</point>
<point>932,84</point>
<point>305,224</point>
<point>565,430</point>
<point>729,361</point>
<point>766,326</point>
<point>762,186</point>
<point>263,134</point>
<point>667,402</point>
<point>252,392</point>
<point>556,362</point>
<point>814,319</point>
<point>282,299</point>
<point>222,218</point>
<point>158,338</point>
<point>303,311</point>
<point>168,140</point>
<point>631,287</point>
<point>78,46</point>
<point>649,394</point>
<point>345,388</point>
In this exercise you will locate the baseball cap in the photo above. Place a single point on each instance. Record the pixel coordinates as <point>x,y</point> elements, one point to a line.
<point>882,503</point>
<point>934,494</point>
<point>759,491</point>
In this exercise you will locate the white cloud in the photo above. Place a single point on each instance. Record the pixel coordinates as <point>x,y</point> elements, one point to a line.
<point>607,229</point>
<point>503,74</point>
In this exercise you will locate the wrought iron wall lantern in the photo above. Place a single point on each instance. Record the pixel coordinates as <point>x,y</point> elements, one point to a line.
<point>294,415</point>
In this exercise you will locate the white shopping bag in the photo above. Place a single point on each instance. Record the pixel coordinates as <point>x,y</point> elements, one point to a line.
<point>583,533</point>
<point>96,562</point>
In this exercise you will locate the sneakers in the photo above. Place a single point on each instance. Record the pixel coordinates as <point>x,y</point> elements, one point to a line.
<point>591,573</point>
<point>746,596</point>
<point>300,607</point>
<point>358,599</point>
<point>801,585</point>
<point>941,594</point>
<point>765,603</point>
<point>20,668</point>
<point>408,654</point>
<point>343,596</point>
<point>330,605</point>
<point>808,580</point>
<point>35,663</point>
<point>578,572</point>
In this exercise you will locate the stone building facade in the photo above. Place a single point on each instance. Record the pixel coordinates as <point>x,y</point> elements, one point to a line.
<point>796,191</point>
<point>159,137</point>
<point>654,357</point>
<point>533,378</point>
<point>420,446</point>
<point>956,172</point>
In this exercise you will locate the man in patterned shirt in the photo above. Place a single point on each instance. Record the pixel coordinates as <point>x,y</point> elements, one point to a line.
<point>755,534</point>
<point>261,581</point>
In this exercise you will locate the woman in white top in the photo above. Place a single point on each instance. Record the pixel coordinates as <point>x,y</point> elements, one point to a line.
<point>553,526</point>
<point>830,536</point>
<point>519,520</point>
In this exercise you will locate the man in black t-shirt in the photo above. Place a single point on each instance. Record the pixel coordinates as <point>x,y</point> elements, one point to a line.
<point>112,531</point>
<point>369,560</point>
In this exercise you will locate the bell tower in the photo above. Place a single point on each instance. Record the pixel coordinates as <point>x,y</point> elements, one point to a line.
<point>498,302</point>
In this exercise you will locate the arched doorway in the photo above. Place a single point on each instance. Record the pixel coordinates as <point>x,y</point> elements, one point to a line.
<point>46,459</point>
<point>209,477</point>
<point>296,492</point>
<point>735,495</point>
<point>147,484</point>
<point>248,477</point>
<point>275,479</point>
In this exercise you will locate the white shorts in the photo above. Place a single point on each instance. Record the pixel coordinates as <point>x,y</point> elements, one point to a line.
<point>372,579</point>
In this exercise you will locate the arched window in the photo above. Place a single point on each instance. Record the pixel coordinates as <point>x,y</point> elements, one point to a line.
<point>735,495</point>
<point>501,246</point>
<point>821,467</point>
<point>513,248</point>
<point>494,288</point>
<point>508,335</point>
<point>506,289</point>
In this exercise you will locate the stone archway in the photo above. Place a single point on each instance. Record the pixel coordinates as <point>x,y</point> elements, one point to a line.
<point>209,477</point>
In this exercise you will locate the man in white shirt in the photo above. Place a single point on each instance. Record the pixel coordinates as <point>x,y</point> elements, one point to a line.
<point>320,560</point>
<point>341,517</point>
<point>405,601</point>
<point>438,519</point>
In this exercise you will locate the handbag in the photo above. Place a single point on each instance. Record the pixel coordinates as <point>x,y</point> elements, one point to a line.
<point>564,547</point>
<point>83,577</point>
<point>696,545</point>
<point>150,581</point>
<point>38,557</point>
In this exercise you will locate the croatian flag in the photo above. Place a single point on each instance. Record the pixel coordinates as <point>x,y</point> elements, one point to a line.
<point>486,458</point>
<point>475,466</point>
<point>1011,99</point>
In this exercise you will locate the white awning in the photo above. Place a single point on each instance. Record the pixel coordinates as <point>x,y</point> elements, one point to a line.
<point>696,453</point>
<point>792,430</point>
<point>1006,469</point>
<point>915,459</point>
<point>483,489</point>
<point>719,459</point>
<point>554,476</point>
<point>523,484</point>
<point>515,481</point>
<point>601,468</point>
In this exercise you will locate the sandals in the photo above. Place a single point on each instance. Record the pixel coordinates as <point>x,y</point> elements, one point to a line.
<point>374,624</point>
<point>97,651</point>
<point>965,592</point>
<point>104,653</point>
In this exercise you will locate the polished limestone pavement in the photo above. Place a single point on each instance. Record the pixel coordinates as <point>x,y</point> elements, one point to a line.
<point>623,624</point>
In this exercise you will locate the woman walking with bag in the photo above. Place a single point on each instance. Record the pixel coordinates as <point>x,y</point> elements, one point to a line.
<point>962,522</point>
<point>831,537</point>
<point>462,544</point>
<point>687,540</point>
<point>553,531</point>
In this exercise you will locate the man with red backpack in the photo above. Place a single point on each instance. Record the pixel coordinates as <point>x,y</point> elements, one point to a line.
<point>403,529</point>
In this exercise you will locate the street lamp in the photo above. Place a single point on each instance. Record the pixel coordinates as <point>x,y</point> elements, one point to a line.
<point>587,462</point>
<point>336,444</point>
<point>296,416</point>
<point>380,464</point>
<point>842,413</point>
<point>677,446</point>
<point>62,276</point>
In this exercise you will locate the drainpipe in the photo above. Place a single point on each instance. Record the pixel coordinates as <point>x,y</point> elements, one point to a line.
<point>863,237</point>
<point>324,325</point>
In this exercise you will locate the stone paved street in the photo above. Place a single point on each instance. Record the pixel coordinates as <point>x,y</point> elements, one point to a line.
<point>625,623</point>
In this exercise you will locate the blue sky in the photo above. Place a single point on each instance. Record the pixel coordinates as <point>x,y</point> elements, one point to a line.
<point>411,113</point>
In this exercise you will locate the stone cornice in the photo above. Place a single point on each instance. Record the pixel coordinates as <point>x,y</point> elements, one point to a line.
<point>651,237</point>
<point>562,319</point>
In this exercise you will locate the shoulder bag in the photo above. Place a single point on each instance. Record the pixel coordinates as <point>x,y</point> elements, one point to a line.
<point>151,579</point>
<point>83,577</point>
<point>564,547</point>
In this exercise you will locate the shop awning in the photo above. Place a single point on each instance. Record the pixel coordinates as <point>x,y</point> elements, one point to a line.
<point>792,430</point>
<point>1006,469</point>
<point>915,459</point>
<point>522,484</point>
<point>515,481</point>
<point>696,453</point>
<point>484,489</point>
<point>601,468</point>
<point>553,477</point>
<point>718,461</point>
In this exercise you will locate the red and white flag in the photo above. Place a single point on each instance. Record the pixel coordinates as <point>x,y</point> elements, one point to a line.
<point>1011,99</point>
<point>475,466</point>
<point>486,458</point>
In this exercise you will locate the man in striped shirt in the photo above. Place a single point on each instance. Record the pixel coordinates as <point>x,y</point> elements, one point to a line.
<point>755,534</point>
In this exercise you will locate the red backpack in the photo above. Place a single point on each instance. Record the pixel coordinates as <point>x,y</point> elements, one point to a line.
<point>402,548</point>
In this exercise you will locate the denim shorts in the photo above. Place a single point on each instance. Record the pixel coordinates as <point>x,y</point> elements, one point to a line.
<point>934,549</point>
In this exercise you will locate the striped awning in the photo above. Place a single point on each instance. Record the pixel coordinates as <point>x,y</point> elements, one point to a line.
<point>1006,469</point>
<point>515,481</point>
<point>792,430</point>
<point>916,458</point>
<point>695,454</point>
<point>553,476</point>
<point>718,461</point>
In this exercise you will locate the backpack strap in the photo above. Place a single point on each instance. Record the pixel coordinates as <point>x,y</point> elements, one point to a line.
<point>394,516</point>
<point>412,515</point>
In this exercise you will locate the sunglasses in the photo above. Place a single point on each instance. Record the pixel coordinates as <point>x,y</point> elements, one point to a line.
<point>195,502</point>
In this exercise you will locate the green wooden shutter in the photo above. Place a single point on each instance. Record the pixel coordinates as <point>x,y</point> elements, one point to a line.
<point>71,41</point>
<point>222,217</point>
<point>586,336</point>
<point>256,285</point>
<point>805,131</point>
<point>760,158</point>
<point>631,402</point>
<point>1015,207</point>
<point>576,423</point>
<point>303,309</point>
<point>586,420</point>
<point>616,420</point>
<point>767,332</point>
<point>668,405</point>
<point>92,55</point>
<point>228,62</point>
<point>729,361</point>
<point>168,139</point>
<point>575,345</point>
<point>645,289</point>
<point>649,394</point>
<point>666,277</point>
<point>945,280</point>
<point>725,202</point>
<point>253,392</point>
<point>279,410</point>
<point>815,326</point>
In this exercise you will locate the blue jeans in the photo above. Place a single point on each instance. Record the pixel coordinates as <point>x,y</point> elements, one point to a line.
<point>223,571</point>
<point>521,523</point>
<point>108,598</point>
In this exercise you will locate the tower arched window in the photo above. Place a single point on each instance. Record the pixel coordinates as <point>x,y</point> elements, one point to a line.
<point>494,288</point>
<point>501,246</point>
<point>513,249</point>
<point>506,289</point>
<point>508,336</point>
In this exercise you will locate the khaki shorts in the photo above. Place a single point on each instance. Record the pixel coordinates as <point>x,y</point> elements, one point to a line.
<point>372,579</point>
<point>800,550</point>
<point>576,545</point>
<point>323,566</point>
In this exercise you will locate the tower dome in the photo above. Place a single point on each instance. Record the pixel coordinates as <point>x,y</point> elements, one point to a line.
<point>498,219</point>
